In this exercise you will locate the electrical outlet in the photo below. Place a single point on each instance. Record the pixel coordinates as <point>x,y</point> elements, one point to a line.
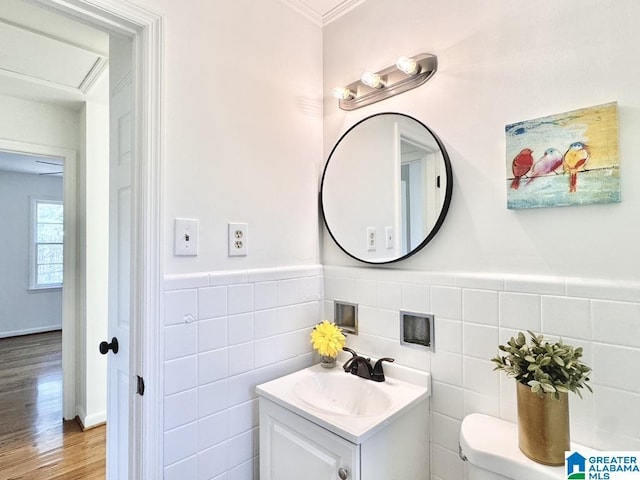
<point>238,239</point>
<point>371,238</point>
<point>186,237</point>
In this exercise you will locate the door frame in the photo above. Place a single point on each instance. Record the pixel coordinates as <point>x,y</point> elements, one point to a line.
<point>146,30</point>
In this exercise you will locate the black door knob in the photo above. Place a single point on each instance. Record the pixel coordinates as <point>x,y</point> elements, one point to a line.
<point>105,347</point>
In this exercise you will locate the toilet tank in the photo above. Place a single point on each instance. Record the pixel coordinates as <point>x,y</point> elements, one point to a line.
<point>490,447</point>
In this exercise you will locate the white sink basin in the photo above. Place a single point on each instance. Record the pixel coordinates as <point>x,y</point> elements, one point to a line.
<point>342,394</point>
<point>345,404</point>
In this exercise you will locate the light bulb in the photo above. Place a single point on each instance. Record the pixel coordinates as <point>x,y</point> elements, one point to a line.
<point>408,65</point>
<point>342,93</point>
<point>372,80</point>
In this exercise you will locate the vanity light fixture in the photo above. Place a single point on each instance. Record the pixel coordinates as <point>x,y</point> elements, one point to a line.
<point>342,93</point>
<point>372,80</point>
<point>408,65</point>
<point>408,73</point>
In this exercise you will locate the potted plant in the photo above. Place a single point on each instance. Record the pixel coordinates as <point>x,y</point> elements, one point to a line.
<point>327,339</point>
<point>545,373</point>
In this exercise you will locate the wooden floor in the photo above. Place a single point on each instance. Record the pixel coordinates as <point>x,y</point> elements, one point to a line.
<point>35,443</point>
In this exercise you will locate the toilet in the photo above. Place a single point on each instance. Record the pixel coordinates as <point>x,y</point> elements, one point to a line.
<point>489,447</point>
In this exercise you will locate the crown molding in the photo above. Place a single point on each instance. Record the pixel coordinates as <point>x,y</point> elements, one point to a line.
<point>321,20</point>
<point>340,10</point>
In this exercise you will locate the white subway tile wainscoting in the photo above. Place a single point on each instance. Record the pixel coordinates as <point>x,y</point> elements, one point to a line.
<point>473,314</point>
<point>226,332</point>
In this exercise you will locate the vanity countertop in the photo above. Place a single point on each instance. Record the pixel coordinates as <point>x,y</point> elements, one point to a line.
<point>349,406</point>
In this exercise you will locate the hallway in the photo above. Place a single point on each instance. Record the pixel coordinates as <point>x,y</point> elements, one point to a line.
<point>35,443</point>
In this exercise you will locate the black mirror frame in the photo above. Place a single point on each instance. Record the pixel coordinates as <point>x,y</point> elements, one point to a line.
<point>443,211</point>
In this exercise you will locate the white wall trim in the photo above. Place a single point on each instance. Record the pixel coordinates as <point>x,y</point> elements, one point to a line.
<point>184,281</point>
<point>339,10</point>
<point>596,288</point>
<point>148,332</point>
<point>90,421</point>
<point>322,19</point>
<point>69,313</point>
<point>29,331</point>
<point>301,8</point>
<point>145,27</point>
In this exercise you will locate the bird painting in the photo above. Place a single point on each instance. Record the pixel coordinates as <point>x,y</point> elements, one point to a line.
<point>568,158</point>
<point>574,160</point>
<point>521,165</point>
<point>549,162</point>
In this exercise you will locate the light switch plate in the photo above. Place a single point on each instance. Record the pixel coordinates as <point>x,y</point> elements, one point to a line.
<point>186,237</point>
<point>388,237</point>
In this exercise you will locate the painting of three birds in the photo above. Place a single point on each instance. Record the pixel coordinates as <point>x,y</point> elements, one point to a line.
<point>564,159</point>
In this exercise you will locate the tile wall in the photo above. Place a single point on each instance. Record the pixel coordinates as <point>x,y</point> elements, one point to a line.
<point>474,313</point>
<point>224,333</point>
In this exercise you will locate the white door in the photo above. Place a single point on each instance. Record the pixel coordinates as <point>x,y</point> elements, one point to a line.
<point>120,388</point>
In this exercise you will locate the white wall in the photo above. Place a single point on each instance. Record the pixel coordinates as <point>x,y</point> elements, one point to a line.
<point>39,123</point>
<point>243,123</point>
<point>500,63</point>
<point>243,143</point>
<point>23,311</point>
<point>570,272</point>
<point>92,263</point>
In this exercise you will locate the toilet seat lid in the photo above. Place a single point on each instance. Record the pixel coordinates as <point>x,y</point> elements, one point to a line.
<point>492,444</point>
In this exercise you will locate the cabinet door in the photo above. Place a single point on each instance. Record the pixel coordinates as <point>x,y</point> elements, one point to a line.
<point>293,448</point>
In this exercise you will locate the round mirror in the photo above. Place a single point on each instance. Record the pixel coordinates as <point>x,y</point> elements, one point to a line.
<point>386,188</point>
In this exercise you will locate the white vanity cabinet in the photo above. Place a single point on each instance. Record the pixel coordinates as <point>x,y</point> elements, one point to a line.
<point>293,448</point>
<point>296,448</point>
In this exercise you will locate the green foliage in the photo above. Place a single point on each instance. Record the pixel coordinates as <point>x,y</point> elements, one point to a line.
<point>548,368</point>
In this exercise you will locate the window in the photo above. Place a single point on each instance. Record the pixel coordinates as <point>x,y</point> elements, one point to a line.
<point>47,243</point>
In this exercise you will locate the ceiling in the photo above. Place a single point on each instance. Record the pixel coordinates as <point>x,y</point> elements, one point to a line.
<point>35,164</point>
<point>49,58</point>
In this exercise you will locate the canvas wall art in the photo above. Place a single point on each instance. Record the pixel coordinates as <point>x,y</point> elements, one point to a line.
<point>565,159</point>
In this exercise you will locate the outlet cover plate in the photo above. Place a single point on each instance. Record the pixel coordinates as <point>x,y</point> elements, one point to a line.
<point>238,239</point>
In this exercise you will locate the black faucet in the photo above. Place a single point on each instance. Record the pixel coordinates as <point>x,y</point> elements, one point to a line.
<point>378,373</point>
<point>361,366</point>
<point>351,365</point>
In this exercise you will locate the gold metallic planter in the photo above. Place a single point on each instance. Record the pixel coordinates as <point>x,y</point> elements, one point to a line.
<point>543,426</point>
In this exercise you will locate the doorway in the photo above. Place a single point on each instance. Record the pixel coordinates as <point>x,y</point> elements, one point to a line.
<point>31,260</point>
<point>420,203</point>
<point>144,28</point>
<point>38,439</point>
<point>36,159</point>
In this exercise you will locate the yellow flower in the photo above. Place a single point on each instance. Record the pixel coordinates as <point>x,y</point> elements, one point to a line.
<point>327,339</point>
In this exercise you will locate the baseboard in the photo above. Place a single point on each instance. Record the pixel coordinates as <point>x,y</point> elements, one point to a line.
<point>30,331</point>
<point>87,422</point>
